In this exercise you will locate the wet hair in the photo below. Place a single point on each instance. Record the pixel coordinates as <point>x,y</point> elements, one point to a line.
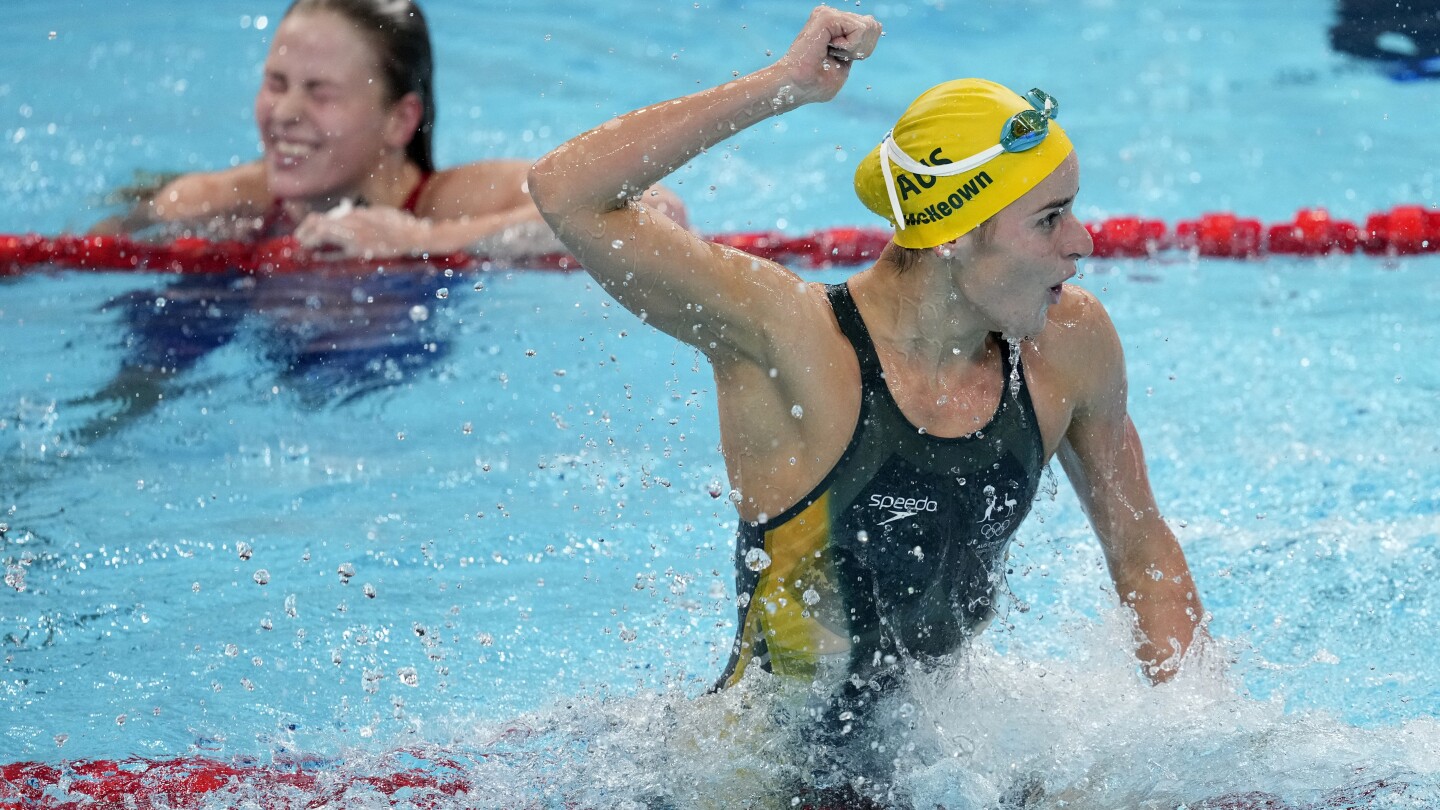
<point>905,258</point>
<point>401,38</point>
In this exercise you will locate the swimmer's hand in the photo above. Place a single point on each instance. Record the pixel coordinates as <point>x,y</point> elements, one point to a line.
<point>818,62</point>
<point>366,233</point>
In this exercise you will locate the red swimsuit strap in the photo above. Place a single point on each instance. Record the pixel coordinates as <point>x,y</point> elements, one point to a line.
<point>410,201</point>
<point>278,223</point>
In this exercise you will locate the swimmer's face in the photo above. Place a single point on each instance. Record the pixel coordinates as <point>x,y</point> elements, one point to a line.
<point>324,111</point>
<point>1012,268</point>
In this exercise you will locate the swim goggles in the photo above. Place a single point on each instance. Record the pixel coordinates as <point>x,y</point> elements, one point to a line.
<point>1023,130</point>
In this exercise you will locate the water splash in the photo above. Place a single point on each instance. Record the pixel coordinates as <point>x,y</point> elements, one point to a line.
<point>995,729</point>
<point>1014,365</point>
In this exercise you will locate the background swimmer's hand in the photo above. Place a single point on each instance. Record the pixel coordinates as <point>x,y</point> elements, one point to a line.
<point>366,233</point>
<point>818,62</point>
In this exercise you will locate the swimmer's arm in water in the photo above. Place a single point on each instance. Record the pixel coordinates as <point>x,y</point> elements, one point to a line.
<point>594,192</point>
<point>482,208</point>
<point>200,197</point>
<point>1103,458</point>
<point>479,207</point>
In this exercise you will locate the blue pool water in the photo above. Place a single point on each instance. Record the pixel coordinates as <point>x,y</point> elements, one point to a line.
<point>503,538</point>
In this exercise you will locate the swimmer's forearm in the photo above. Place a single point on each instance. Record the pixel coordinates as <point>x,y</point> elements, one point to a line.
<point>1168,611</point>
<point>605,167</point>
<point>485,234</point>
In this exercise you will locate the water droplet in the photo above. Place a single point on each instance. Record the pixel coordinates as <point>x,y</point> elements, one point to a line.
<point>756,559</point>
<point>862,536</point>
<point>1014,366</point>
<point>290,609</point>
<point>810,596</point>
<point>617,244</point>
<point>419,313</point>
<point>408,676</point>
<point>369,590</point>
<point>479,286</point>
<point>346,571</point>
<point>442,293</point>
<point>266,624</point>
<point>244,550</point>
<point>262,577</point>
<point>715,489</point>
<point>797,412</point>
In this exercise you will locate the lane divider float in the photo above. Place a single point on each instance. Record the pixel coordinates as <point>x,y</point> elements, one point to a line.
<point>1402,231</point>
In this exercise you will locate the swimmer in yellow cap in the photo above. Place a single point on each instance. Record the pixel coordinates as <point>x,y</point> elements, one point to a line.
<point>884,437</point>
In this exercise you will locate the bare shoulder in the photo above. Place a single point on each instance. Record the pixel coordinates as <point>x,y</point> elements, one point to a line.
<point>241,191</point>
<point>476,189</point>
<point>1080,347</point>
<point>1079,322</point>
<point>803,328</point>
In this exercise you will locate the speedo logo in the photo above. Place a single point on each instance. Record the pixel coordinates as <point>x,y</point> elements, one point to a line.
<point>901,508</point>
<point>940,210</point>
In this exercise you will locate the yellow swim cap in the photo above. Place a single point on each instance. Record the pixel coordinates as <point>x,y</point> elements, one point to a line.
<point>988,147</point>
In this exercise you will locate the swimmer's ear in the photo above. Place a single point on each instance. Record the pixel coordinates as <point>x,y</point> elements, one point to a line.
<point>947,250</point>
<point>404,120</point>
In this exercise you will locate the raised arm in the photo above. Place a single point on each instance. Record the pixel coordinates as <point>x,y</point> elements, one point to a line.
<point>1102,456</point>
<point>200,199</point>
<point>591,191</point>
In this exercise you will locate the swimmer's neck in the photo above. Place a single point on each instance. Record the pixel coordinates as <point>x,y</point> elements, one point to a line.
<point>921,314</point>
<point>388,185</point>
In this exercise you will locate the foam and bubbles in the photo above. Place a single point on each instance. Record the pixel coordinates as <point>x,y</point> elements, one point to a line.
<point>995,730</point>
<point>1081,732</point>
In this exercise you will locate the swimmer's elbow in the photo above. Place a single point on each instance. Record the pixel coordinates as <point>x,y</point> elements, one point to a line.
<point>537,184</point>
<point>545,184</point>
<point>109,226</point>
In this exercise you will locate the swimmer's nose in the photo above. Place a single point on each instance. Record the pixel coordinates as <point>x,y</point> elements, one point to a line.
<point>1079,244</point>
<point>287,106</point>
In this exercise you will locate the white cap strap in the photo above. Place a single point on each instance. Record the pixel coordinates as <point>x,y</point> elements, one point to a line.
<point>890,151</point>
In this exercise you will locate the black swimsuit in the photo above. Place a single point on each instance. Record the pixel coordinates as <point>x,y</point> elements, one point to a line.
<point>897,554</point>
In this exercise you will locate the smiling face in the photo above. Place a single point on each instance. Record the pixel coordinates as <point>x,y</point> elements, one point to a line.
<point>325,113</point>
<point>1011,269</point>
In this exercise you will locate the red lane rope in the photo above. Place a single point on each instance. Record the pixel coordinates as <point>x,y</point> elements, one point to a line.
<point>188,782</point>
<point>1404,230</point>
